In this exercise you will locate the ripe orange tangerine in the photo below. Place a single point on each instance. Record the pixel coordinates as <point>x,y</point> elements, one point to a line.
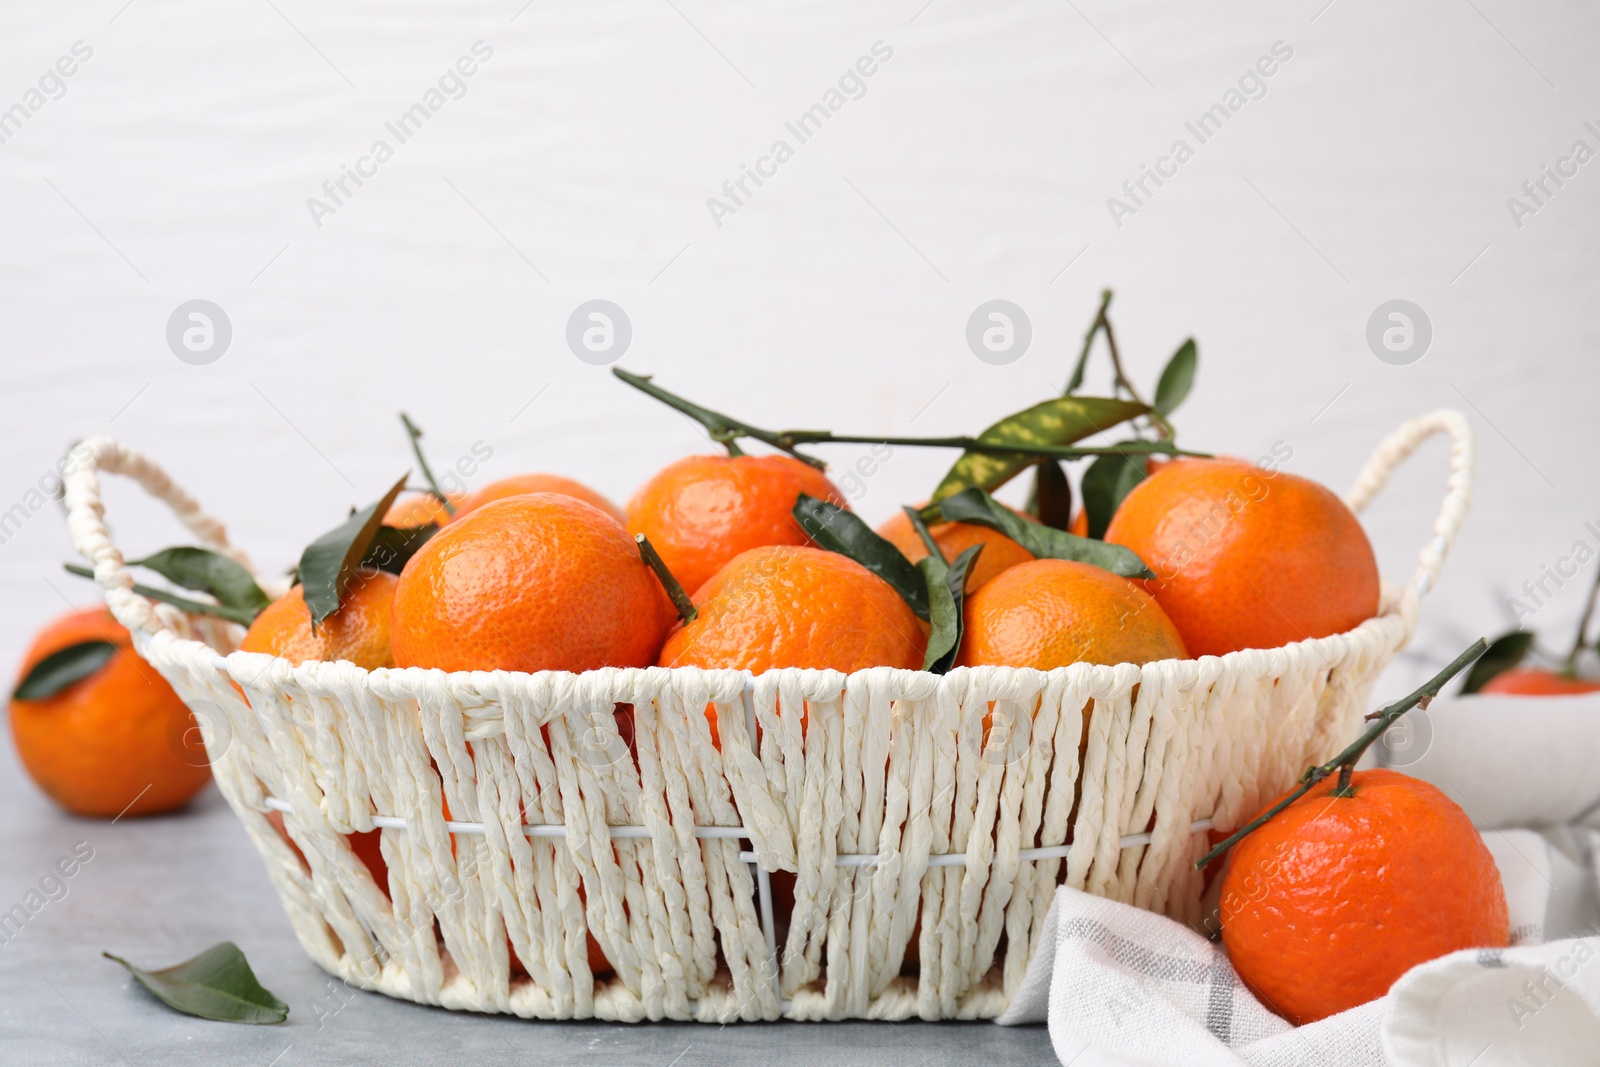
<point>999,553</point>
<point>418,509</point>
<point>1053,612</point>
<point>1333,899</point>
<point>358,632</point>
<point>1532,681</point>
<point>518,484</point>
<point>1246,558</point>
<point>793,606</point>
<point>702,511</point>
<point>541,581</point>
<point>119,742</point>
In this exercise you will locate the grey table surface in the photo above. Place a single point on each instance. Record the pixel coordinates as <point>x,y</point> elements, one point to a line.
<point>159,890</point>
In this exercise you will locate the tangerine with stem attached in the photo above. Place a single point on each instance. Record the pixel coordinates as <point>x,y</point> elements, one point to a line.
<point>702,511</point>
<point>1326,905</point>
<point>1336,890</point>
<point>795,606</point>
<point>419,509</point>
<point>1541,681</point>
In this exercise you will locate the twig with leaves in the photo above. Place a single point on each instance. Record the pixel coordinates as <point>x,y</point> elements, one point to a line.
<point>1344,764</point>
<point>727,431</point>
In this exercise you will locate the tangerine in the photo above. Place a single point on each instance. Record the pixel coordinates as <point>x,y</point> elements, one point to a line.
<point>518,484</point>
<point>1053,612</point>
<point>1326,905</point>
<point>419,509</point>
<point>1532,681</point>
<point>541,581</point>
<point>358,632</point>
<point>953,538</point>
<point>119,742</point>
<point>794,606</point>
<point>702,511</point>
<point>1246,558</point>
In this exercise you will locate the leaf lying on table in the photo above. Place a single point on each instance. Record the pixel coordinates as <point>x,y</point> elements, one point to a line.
<point>1503,653</point>
<point>979,508</point>
<point>208,572</point>
<point>841,531</point>
<point>217,984</point>
<point>62,668</point>
<point>947,594</point>
<point>1061,421</point>
<point>329,562</point>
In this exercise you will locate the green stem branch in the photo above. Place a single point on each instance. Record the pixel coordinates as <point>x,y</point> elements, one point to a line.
<point>1102,321</point>
<point>1344,764</point>
<point>1088,342</point>
<point>422,461</point>
<point>724,429</point>
<point>674,588</point>
<point>1571,666</point>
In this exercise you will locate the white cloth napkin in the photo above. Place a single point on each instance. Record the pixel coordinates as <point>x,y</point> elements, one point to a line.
<point>1122,987</point>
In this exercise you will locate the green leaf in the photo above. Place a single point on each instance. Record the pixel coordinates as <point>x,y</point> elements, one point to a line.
<point>1503,653</point>
<point>208,572</point>
<point>62,668</point>
<point>1054,422</point>
<point>392,547</point>
<point>946,601</point>
<point>217,984</point>
<point>1052,495</point>
<point>979,508</point>
<point>946,586</point>
<point>329,562</point>
<point>1105,482</point>
<point>1177,379</point>
<point>841,531</point>
<point>182,603</point>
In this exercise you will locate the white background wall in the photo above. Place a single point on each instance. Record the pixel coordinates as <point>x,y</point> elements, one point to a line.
<point>976,165</point>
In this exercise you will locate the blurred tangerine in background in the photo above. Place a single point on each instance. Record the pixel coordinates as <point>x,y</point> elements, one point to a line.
<point>98,728</point>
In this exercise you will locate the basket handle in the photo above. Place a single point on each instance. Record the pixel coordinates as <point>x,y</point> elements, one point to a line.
<point>1394,450</point>
<point>87,526</point>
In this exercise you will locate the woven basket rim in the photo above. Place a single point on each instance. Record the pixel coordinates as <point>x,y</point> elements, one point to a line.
<point>1392,612</point>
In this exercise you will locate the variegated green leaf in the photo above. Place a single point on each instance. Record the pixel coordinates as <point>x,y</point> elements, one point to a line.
<point>1054,422</point>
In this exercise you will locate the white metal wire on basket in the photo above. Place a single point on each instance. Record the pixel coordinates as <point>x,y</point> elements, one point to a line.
<point>919,840</point>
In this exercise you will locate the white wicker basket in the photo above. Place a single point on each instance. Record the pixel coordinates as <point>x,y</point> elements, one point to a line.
<point>903,826</point>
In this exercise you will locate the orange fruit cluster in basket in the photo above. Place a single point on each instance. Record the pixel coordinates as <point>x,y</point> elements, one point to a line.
<point>548,580</point>
<point>758,562</point>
